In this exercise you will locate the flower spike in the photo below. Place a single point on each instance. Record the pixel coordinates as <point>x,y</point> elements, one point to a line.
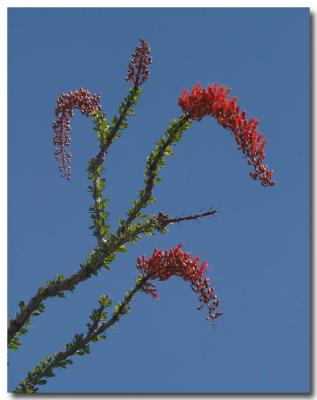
<point>166,263</point>
<point>64,110</point>
<point>138,70</point>
<point>214,101</point>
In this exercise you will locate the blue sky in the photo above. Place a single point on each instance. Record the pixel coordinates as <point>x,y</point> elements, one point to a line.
<point>257,247</point>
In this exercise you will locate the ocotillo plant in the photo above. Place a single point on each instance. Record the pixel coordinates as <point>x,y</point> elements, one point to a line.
<point>195,104</point>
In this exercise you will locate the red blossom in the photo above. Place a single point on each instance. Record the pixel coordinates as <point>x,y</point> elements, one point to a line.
<point>81,99</point>
<point>214,101</point>
<point>138,70</point>
<point>165,263</point>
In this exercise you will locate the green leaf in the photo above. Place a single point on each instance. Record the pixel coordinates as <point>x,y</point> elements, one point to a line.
<point>35,313</point>
<point>116,308</point>
<point>103,229</point>
<point>138,279</point>
<point>42,382</point>
<point>114,120</point>
<point>168,151</point>
<point>21,305</point>
<point>123,249</point>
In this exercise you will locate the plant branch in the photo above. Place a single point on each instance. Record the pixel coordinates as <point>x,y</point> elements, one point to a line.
<point>164,220</point>
<point>119,123</point>
<point>106,134</point>
<point>154,162</point>
<point>80,343</point>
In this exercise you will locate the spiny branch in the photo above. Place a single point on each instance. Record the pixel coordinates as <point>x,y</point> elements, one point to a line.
<point>154,162</point>
<point>106,134</point>
<point>80,343</point>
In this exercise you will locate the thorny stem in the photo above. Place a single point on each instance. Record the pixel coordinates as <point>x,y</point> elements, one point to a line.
<point>104,147</point>
<point>101,157</point>
<point>123,305</point>
<point>97,211</point>
<point>93,333</point>
<point>61,356</point>
<point>151,175</point>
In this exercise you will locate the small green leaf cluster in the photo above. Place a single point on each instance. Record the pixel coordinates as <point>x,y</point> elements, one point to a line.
<point>99,215</point>
<point>163,147</point>
<point>105,301</point>
<point>94,262</point>
<point>55,285</point>
<point>125,110</point>
<point>123,307</point>
<point>102,126</point>
<point>120,309</point>
<point>95,170</point>
<point>132,233</point>
<point>14,342</point>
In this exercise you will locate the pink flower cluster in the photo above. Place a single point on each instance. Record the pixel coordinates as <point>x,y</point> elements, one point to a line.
<point>165,263</point>
<point>214,101</point>
<point>81,99</point>
<point>138,70</point>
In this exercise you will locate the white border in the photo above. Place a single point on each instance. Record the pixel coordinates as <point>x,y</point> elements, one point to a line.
<point>153,3</point>
<point>3,137</point>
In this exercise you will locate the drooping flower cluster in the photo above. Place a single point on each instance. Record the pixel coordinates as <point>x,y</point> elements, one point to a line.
<point>166,263</point>
<point>138,70</point>
<point>214,101</point>
<point>81,99</point>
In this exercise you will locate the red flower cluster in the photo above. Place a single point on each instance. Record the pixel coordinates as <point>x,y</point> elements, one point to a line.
<point>138,70</point>
<point>214,101</point>
<point>165,263</point>
<point>64,110</point>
